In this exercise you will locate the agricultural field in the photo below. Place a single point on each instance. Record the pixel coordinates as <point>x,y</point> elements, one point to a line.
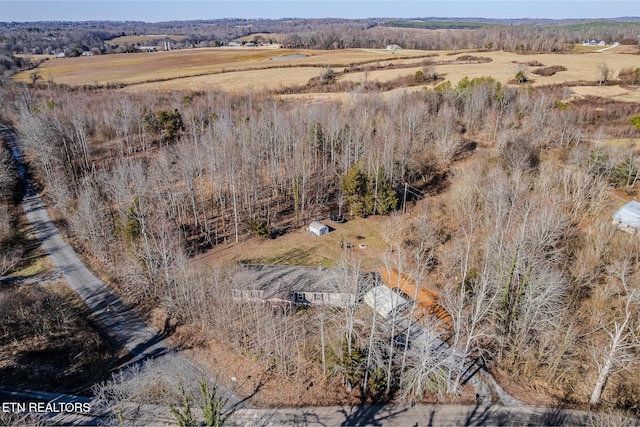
<point>135,68</point>
<point>257,69</point>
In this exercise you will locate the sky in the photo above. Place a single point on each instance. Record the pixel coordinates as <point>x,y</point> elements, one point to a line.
<point>168,10</point>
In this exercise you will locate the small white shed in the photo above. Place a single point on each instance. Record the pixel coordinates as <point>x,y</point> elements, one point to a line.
<point>318,228</point>
<point>628,217</point>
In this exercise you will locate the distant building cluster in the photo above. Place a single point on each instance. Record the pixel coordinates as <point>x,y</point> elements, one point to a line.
<point>594,43</point>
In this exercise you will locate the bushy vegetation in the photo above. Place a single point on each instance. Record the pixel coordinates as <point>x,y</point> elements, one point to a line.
<point>549,71</point>
<point>10,246</point>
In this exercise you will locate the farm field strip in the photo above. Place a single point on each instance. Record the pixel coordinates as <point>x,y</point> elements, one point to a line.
<point>142,67</point>
<point>502,68</point>
<point>238,69</point>
<point>269,79</point>
<point>144,38</point>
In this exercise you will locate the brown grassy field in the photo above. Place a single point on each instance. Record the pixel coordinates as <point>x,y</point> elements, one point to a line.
<point>237,81</point>
<point>582,67</point>
<point>235,69</point>
<point>300,247</point>
<point>503,68</point>
<point>133,68</point>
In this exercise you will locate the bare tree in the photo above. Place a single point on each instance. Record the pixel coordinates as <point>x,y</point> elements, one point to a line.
<point>622,343</point>
<point>604,73</point>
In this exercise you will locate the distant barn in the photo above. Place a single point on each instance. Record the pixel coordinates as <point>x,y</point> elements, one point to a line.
<point>627,217</point>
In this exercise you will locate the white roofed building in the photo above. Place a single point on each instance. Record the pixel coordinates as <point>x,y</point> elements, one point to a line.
<point>627,217</point>
<point>384,301</point>
<point>318,228</point>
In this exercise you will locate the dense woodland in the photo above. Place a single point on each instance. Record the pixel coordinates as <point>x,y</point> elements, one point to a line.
<point>515,232</point>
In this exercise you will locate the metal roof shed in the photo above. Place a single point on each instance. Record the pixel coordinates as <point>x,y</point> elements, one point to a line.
<point>384,301</point>
<point>318,228</point>
<point>628,217</point>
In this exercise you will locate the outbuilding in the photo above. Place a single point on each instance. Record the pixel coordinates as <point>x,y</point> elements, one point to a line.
<point>318,228</point>
<point>384,301</point>
<point>627,217</point>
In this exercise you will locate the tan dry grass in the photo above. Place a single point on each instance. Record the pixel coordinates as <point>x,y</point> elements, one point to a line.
<point>133,68</point>
<point>579,67</point>
<point>299,247</point>
<point>631,96</point>
<point>37,57</point>
<point>600,91</point>
<point>633,143</point>
<point>141,67</point>
<point>238,81</point>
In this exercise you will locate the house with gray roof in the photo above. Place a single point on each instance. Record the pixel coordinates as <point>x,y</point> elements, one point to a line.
<point>299,285</point>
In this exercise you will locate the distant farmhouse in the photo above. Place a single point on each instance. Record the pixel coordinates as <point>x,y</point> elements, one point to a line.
<point>147,48</point>
<point>627,218</point>
<point>594,43</point>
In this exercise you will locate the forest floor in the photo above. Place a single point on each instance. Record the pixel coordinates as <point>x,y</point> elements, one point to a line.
<point>46,341</point>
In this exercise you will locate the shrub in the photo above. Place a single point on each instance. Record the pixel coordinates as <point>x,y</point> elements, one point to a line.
<point>630,76</point>
<point>260,228</point>
<point>548,71</point>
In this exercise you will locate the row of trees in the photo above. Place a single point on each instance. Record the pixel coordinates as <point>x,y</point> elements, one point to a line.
<point>73,38</point>
<point>10,246</point>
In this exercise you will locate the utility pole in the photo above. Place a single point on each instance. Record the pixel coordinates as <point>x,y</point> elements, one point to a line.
<point>404,199</point>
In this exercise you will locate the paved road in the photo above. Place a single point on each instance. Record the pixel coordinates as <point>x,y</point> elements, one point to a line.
<point>419,415</point>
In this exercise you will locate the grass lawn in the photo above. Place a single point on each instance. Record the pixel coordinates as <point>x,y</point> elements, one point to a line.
<point>299,247</point>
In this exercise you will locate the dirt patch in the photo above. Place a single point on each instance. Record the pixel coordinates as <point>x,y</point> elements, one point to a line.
<point>599,91</point>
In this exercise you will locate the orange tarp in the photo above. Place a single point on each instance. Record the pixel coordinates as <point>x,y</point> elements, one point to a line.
<point>427,299</point>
